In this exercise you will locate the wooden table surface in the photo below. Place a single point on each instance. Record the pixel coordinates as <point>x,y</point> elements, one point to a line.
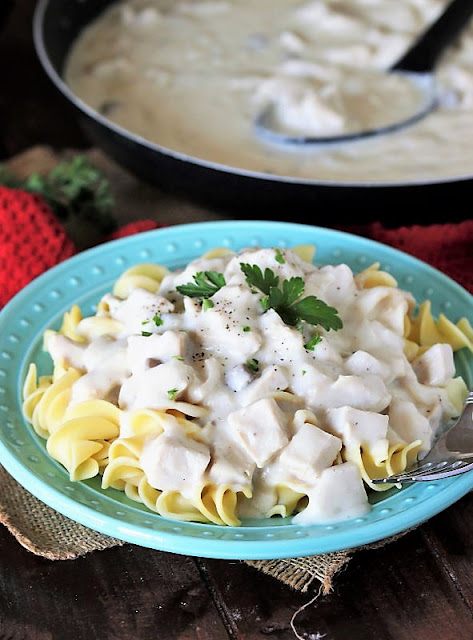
<point>420,586</point>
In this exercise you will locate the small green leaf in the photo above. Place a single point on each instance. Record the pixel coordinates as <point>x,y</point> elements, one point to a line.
<point>279,257</point>
<point>292,290</point>
<point>315,311</point>
<point>316,338</point>
<point>265,303</point>
<point>253,365</point>
<point>276,298</point>
<point>207,304</point>
<point>255,277</point>
<point>172,393</point>
<point>205,285</point>
<point>216,278</point>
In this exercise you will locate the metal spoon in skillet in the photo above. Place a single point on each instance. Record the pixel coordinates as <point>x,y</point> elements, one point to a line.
<point>372,102</point>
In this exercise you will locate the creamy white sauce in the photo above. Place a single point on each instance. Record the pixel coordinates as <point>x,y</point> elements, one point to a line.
<point>191,76</point>
<point>270,412</point>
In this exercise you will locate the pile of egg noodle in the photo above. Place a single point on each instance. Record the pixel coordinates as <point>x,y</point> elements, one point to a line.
<point>219,443</point>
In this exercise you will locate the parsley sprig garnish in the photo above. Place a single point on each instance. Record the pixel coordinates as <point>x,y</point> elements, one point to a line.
<point>287,302</point>
<point>256,278</point>
<point>74,188</point>
<point>205,285</point>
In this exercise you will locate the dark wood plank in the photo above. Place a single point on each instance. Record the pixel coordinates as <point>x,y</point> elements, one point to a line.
<point>124,593</point>
<point>450,540</point>
<point>397,592</point>
<point>418,587</point>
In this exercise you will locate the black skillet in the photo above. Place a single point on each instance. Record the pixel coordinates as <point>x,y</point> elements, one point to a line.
<point>232,191</point>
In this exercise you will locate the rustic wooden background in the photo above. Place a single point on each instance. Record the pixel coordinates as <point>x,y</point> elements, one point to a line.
<point>420,587</point>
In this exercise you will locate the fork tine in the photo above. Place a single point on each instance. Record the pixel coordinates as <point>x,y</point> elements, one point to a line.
<point>456,468</point>
<point>430,471</point>
<point>415,472</point>
<point>442,461</point>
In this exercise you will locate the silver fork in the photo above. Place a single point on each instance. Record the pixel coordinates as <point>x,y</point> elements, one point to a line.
<point>451,455</point>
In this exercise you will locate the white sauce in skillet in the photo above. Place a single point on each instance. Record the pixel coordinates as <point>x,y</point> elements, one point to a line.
<point>190,76</point>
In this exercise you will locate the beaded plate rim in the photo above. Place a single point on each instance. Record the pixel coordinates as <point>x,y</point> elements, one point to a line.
<point>86,276</point>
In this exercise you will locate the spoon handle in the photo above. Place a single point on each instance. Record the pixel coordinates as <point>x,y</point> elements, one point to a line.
<point>423,55</point>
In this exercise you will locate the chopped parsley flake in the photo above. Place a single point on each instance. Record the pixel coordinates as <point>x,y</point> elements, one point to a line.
<point>253,365</point>
<point>146,334</point>
<point>316,338</point>
<point>246,329</point>
<point>158,321</point>
<point>172,393</point>
<point>279,257</point>
<point>207,304</point>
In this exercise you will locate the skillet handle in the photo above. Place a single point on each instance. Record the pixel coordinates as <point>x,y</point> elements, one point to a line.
<point>423,55</point>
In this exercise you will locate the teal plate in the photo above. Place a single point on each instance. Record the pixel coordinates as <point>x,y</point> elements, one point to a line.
<point>86,277</point>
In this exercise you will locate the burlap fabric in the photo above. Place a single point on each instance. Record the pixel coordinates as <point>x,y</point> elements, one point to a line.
<point>47,533</point>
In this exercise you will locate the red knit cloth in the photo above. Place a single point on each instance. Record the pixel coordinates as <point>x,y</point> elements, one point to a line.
<point>32,241</point>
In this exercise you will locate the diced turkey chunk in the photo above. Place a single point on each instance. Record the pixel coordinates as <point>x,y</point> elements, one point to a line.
<point>230,465</point>
<point>310,451</point>
<point>357,428</point>
<point>222,326</point>
<point>62,348</point>
<point>435,367</point>
<point>107,368</point>
<point>409,424</point>
<point>140,307</point>
<point>239,377</point>
<point>338,494</point>
<point>363,363</point>
<point>175,463</point>
<point>332,283</point>
<point>388,305</point>
<point>362,391</point>
<point>146,351</point>
<point>272,379</point>
<point>157,387</point>
<point>261,429</point>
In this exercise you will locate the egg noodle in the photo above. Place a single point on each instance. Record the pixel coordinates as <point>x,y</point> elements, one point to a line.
<point>249,384</point>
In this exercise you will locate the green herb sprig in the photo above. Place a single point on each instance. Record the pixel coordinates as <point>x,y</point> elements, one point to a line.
<point>205,285</point>
<point>287,302</point>
<point>74,188</point>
